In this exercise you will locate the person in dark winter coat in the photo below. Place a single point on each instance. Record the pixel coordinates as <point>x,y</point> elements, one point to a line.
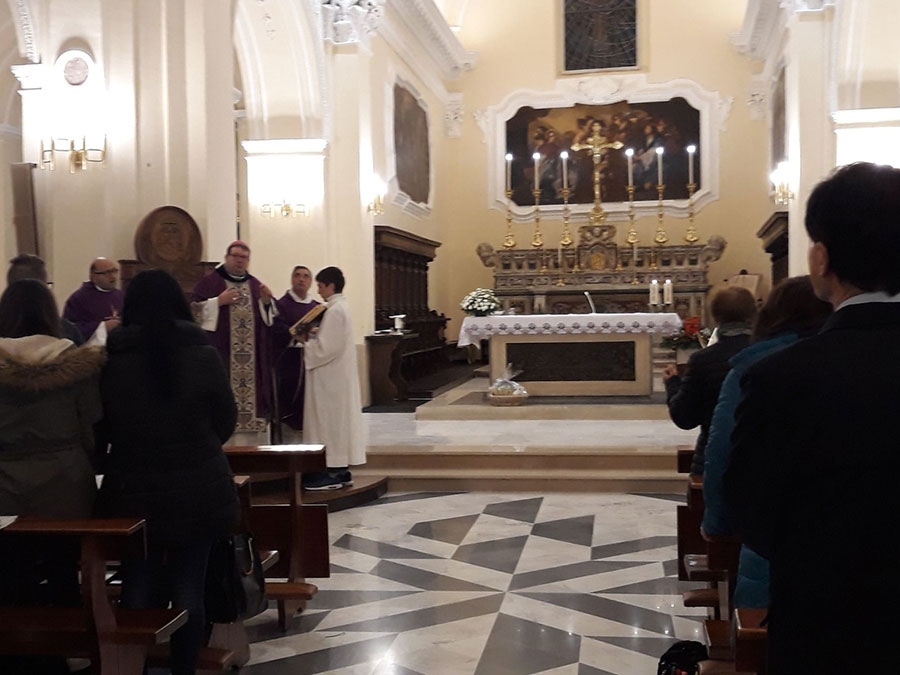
<point>791,312</point>
<point>168,408</point>
<point>692,398</point>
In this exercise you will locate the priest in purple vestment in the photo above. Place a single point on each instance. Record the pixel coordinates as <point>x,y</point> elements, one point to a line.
<point>288,352</point>
<point>95,308</point>
<point>237,311</point>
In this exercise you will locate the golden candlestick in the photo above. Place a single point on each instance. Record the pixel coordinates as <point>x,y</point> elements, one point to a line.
<point>690,235</point>
<point>660,237</point>
<point>509,241</point>
<point>566,241</point>
<point>537,241</point>
<point>632,238</point>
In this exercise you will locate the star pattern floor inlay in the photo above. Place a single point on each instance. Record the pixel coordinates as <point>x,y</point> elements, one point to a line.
<point>489,584</point>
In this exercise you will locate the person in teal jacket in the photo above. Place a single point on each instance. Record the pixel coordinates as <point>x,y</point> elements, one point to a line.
<point>791,313</point>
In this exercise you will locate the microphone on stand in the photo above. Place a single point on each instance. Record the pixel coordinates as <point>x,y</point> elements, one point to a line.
<point>590,302</point>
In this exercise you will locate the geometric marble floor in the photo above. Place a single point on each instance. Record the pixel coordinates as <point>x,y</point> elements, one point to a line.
<point>490,583</point>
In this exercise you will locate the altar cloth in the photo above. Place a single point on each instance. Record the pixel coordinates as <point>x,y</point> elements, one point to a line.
<point>475,328</point>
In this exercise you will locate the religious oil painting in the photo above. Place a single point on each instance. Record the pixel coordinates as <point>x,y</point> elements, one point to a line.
<point>599,35</point>
<point>580,130</point>
<point>411,145</point>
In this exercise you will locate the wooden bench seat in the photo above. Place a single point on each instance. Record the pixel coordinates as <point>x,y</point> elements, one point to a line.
<point>750,636</point>
<point>718,639</point>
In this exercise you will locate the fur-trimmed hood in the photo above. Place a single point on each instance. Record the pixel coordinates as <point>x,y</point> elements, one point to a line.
<point>40,363</point>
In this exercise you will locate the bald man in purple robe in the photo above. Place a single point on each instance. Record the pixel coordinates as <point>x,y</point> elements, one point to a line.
<point>96,307</point>
<point>237,311</point>
<point>288,353</point>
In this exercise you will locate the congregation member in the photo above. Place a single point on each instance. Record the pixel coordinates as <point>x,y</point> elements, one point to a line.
<point>29,266</point>
<point>49,403</point>
<point>332,412</point>
<point>168,408</point>
<point>289,389</point>
<point>812,480</point>
<point>96,307</point>
<point>692,398</point>
<point>792,312</point>
<point>237,310</point>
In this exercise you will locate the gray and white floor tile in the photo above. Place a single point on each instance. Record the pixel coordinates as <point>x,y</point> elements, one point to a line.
<point>490,584</point>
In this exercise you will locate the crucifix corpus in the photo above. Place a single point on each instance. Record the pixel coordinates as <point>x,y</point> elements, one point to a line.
<point>598,146</point>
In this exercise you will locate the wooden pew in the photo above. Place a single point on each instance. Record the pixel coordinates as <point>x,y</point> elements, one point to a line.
<point>750,636</point>
<point>116,640</point>
<point>299,532</point>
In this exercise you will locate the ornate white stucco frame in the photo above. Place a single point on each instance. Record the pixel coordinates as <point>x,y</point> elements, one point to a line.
<point>397,196</point>
<point>599,90</point>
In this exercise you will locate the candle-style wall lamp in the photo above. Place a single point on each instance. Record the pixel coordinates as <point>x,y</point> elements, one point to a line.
<point>284,209</point>
<point>376,206</point>
<point>781,184</point>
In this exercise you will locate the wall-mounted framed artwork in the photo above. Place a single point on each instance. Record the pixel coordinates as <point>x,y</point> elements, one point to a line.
<point>598,35</point>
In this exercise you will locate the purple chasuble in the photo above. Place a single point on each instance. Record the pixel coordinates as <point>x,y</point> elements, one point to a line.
<point>289,361</point>
<point>242,340</point>
<point>88,306</point>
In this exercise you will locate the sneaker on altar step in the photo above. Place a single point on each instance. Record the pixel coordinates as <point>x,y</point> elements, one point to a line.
<point>322,481</point>
<point>342,475</point>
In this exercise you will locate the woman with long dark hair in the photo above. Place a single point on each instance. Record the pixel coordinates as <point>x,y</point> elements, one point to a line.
<point>168,408</point>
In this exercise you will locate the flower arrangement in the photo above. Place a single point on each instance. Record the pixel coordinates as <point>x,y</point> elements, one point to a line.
<point>480,302</point>
<point>689,337</point>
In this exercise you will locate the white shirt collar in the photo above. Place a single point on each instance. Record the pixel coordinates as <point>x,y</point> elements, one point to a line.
<point>864,298</point>
<point>297,297</point>
<point>103,290</point>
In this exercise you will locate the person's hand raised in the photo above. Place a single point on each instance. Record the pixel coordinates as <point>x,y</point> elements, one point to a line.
<point>229,296</point>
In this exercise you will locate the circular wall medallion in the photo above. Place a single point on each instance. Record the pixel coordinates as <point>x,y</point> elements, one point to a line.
<point>168,236</point>
<point>76,71</point>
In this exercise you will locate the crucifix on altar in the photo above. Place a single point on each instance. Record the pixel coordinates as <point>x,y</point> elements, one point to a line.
<point>598,145</point>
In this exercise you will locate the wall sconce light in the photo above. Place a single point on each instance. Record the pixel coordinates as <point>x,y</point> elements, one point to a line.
<point>780,178</point>
<point>284,209</point>
<point>79,156</point>
<point>376,206</point>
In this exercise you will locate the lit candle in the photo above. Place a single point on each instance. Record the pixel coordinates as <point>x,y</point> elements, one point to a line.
<point>629,155</point>
<point>537,170</point>
<point>565,159</point>
<point>667,292</point>
<point>654,293</point>
<point>508,172</point>
<point>691,150</point>
<point>659,173</point>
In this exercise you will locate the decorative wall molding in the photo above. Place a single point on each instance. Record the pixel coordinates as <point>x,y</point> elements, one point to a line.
<point>397,196</point>
<point>25,31</point>
<point>453,115</point>
<point>31,75</point>
<point>428,25</point>
<point>714,111</point>
<point>351,21</point>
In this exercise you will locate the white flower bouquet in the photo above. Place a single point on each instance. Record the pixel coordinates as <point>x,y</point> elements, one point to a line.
<point>480,302</point>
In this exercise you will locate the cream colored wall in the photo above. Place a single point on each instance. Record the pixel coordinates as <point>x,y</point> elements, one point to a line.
<point>517,49</point>
<point>387,65</point>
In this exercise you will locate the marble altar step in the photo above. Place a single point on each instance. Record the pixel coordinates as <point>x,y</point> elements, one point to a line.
<point>517,468</point>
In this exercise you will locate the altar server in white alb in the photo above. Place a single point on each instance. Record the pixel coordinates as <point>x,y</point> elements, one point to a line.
<point>332,412</point>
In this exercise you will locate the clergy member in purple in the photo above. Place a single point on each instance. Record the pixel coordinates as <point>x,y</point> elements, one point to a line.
<point>288,352</point>
<point>237,310</point>
<point>96,307</point>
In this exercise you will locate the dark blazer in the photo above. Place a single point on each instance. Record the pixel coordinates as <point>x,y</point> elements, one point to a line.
<point>692,398</point>
<point>813,483</point>
<point>166,462</point>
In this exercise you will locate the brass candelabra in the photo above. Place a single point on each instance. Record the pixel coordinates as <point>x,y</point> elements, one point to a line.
<point>537,239</point>
<point>690,235</point>
<point>509,241</point>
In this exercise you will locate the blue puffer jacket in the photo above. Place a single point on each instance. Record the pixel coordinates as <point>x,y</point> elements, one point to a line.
<point>752,588</point>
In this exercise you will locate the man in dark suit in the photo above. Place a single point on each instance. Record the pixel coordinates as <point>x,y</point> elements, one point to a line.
<point>813,479</point>
<point>692,398</point>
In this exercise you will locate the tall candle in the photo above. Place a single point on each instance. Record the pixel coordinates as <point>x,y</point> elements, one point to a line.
<point>654,293</point>
<point>537,170</point>
<point>508,172</point>
<point>667,292</point>
<point>634,258</point>
<point>565,159</point>
<point>629,155</point>
<point>659,173</point>
<point>691,150</point>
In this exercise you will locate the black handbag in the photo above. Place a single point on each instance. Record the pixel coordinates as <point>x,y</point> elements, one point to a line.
<point>235,586</point>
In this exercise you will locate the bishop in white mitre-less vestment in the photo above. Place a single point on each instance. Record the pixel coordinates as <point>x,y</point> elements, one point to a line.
<point>332,413</point>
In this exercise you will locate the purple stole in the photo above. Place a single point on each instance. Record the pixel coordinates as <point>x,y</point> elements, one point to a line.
<point>88,306</point>
<point>289,361</point>
<point>242,340</point>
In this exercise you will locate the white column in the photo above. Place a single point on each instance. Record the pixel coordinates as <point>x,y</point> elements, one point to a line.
<point>810,133</point>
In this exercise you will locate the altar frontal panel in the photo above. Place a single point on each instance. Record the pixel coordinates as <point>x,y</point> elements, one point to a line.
<point>576,365</point>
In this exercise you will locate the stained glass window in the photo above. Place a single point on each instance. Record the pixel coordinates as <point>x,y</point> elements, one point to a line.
<point>600,34</point>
